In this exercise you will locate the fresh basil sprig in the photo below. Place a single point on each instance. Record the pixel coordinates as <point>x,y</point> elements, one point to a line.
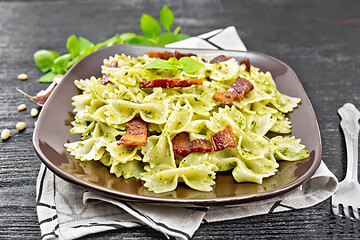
<point>185,64</point>
<point>52,63</point>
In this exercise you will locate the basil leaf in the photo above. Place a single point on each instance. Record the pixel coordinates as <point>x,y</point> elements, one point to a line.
<point>190,65</point>
<point>159,64</point>
<point>73,46</point>
<point>44,59</point>
<point>149,26</point>
<point>166,18</point>
<point>60,64</point>
<point>167,38</point>
<point>124,37</point>
<point>47,78</point>
<point>140,40</point>
<point>181,36</point>
<point>84,45</point>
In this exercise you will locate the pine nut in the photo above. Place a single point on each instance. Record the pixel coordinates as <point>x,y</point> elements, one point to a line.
<point>22,76</point>
<point>20,126</point>
<point>5,134</point>
<point>34,112</point>
<point>21,107</point>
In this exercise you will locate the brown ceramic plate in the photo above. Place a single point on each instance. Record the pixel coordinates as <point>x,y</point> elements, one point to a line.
<point>53,125</point>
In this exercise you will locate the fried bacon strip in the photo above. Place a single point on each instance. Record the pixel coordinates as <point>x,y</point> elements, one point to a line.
<point>181,144</point>
<point>237,91</point>
<point>246,61</point>
<point>224,139</point>
<point>220,58</point>
<point>112,64</point>
<point>183,147</point>
<point>166,55</point>
<point>170,83</point>
<point>105,79</point>
<point>136,133</point>
<point>200,145</point>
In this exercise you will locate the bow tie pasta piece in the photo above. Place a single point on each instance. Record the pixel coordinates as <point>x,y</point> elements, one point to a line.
<point>82,84</point>
<point>85,150</point>
<point>252,146</point>
<point>285,103</point>
<point>104,134</point>
<point>83,127</point>
<point>178,120</point>
<point>252,97</point>
<point>80,102</point>
<point>262,107</point>
<point>128,170</point>
<point>259,124</point>
<point>282,123</point>
<point>122,154</point>
<point>165,179</point>
<point>288,148</point>
<point>121,111</point>
<point>194,159</point>
<point>222,71</point>
<point>254,170</point>
<point>245,170</point>
<point>227,116</point>
<point>158,151</point>
<point>199,104</point>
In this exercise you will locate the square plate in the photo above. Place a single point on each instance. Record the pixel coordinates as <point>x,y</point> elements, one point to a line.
<point>53,130</point>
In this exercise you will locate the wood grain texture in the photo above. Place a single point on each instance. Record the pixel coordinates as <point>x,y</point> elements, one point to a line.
<point>318,39</point>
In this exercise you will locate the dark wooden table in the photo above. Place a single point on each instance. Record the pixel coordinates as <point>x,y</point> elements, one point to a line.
<point>318,39</point>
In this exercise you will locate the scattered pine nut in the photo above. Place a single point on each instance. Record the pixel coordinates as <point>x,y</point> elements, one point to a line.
<point>5,134</point>
<point>35,124</point>
<point>21,107</point>
<point>20,126</point>
<point>22,76</point>
<point>34,112</point>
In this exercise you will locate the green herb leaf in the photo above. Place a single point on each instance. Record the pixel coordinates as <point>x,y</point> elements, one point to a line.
<point>166,18</point>
<point>60,64</point>
<point>47,78</point>
<point>182,36</point>
<point>85,44</point>
<point>149,26</point>
<point>44,59</point>
<point>141,40</point>
<point>73,46</point>
<point>159,64</point>
<point>125,37</point>
<point>167,38</point>
<point>190,65</point>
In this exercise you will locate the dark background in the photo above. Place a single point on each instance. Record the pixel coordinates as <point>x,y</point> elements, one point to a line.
<point>319,39</point>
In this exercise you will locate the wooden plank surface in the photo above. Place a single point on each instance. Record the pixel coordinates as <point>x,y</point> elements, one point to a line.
<point>318,39</point>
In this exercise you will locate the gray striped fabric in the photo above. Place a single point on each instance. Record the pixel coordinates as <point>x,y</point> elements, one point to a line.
<point>66,211</point>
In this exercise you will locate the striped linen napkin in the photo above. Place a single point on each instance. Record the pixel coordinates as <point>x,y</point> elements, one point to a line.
<point>67,211</point>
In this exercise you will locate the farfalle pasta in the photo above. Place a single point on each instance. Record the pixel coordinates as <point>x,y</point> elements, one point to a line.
<point>107,104</point>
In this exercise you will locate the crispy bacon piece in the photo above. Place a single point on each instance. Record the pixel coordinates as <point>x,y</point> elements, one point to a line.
<point>200,145</point>
<point>136,133</point>
<point>166,55</point>
<point>224,139</point>
<point>246,61</point>
<point>237,91</point>
<point>220,58</point>
<point>170,83</point>
<point>105,79</point>
<point>181,144</point>
<point>112,64</point>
